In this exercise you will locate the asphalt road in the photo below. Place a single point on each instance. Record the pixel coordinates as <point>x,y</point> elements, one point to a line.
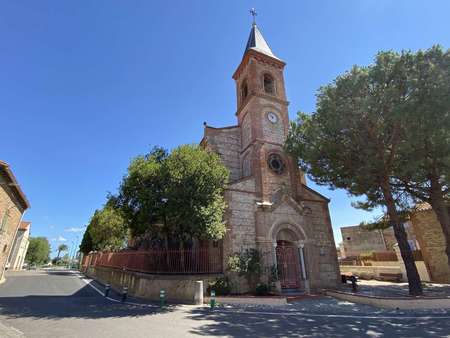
<point>62,304</point>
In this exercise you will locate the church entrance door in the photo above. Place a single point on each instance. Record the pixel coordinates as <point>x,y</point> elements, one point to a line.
<point>288,265</point>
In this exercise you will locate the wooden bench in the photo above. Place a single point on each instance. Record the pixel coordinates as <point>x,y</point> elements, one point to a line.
<point>391,277</point>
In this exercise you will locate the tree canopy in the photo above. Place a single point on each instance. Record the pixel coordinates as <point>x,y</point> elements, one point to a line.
<point>38,251</point>
<point>354,138</point>
<point>142,192</point>
<point>107,229</point>
<point>61,248</point>
<point>177,195</point>
<point>86,244</point>
<point>424,154</point>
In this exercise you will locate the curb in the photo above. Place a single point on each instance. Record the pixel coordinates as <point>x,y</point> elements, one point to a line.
<point>403,303</point>
<point>272,301</point>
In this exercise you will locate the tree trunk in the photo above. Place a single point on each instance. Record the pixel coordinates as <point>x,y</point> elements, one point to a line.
<point>442,212</point>
<point>414,284</point>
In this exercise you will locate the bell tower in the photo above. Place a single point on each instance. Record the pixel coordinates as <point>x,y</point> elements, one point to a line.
<point>262,114</point>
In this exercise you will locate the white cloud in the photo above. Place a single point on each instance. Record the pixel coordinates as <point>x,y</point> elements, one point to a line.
<point>61,239</point>
<point>73,229</point>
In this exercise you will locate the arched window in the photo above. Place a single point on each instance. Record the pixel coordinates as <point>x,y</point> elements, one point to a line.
<point>244,90</point>
<point>269,84</point>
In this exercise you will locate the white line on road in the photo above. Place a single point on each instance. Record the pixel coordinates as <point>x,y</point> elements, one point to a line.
<point>89,282</point>
<point>293,313</point>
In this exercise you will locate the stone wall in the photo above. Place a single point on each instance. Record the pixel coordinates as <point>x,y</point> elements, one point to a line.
<point>321,249</point>
<point>8,202</point>
<point>227,143</point>
<point>374,271</point>
<point>178,288</point>
<point>240,216</point>
<point>357,240</point>
<point>431,239</point>
<point>19,250</point>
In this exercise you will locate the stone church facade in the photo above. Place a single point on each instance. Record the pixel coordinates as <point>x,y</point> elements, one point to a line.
<point>270,208</point>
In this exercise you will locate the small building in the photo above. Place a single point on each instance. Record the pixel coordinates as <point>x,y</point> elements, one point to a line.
<point>431,239</point>
<point>13,204</point>
<point>357,240</point>
<point>20,247</point>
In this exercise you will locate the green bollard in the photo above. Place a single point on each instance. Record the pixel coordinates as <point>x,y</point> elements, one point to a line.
<point>162,298</point>
<point>212,300</point>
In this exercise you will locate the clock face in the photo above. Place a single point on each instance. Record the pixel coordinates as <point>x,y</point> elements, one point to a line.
<point>272,117</point>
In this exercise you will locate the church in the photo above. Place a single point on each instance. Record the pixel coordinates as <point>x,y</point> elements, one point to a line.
<point>270,207</point>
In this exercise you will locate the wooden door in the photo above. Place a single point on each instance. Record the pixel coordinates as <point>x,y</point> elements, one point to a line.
<point>288,266</point>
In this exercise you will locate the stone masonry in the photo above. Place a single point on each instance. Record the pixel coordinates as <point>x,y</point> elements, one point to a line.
<point>13,204</point>
<point>270,208</point>
<point>432,242</point>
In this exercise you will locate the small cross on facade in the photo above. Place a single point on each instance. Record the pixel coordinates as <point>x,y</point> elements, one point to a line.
<point>254,14</point>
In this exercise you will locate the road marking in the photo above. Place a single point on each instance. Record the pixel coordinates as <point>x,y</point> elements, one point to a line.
<point>88,282</point>
<point>293,313</point>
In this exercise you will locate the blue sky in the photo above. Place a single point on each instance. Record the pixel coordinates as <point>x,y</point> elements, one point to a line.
<point>87,85</point>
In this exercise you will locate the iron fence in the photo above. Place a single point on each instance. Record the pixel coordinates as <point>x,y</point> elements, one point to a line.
<point>189,261</point>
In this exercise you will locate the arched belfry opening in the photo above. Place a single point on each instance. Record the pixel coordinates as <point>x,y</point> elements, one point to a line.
<point>269,84</point>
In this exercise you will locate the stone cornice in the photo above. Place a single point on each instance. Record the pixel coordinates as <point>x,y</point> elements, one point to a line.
<point>263,58</point>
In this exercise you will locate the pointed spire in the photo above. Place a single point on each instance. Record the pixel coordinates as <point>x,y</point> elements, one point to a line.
<point>256,40</point>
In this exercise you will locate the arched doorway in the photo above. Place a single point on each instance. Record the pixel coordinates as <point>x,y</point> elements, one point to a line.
<point>288,260</point>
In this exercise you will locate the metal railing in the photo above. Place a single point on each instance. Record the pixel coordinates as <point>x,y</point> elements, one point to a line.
<point>160,261</point>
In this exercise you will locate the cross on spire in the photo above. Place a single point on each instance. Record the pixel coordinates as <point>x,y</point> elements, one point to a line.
<point>254,14</point>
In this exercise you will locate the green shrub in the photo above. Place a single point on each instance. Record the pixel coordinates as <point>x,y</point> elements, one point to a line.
<point>247,264</point>
<point>222,286</point>
<point>262,289</point>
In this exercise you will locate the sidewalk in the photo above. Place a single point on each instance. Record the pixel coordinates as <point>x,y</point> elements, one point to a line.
<point>390,289</point>
<point>10,332</point>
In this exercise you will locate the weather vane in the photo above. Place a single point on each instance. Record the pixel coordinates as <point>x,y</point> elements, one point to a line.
<point>254,14</point>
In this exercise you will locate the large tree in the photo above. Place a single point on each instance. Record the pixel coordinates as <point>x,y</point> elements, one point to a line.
<point>38,251</point>
<point>61,248</point>
<point>352,141</point>
<point>107,229</point>
<point>86,244</point>
<point>176,196</point>
<point>141,193</point>
<point>194,192</point>
<point>425,152</point>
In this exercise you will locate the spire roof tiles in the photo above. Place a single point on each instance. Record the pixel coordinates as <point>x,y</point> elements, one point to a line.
<point>257,42</point>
